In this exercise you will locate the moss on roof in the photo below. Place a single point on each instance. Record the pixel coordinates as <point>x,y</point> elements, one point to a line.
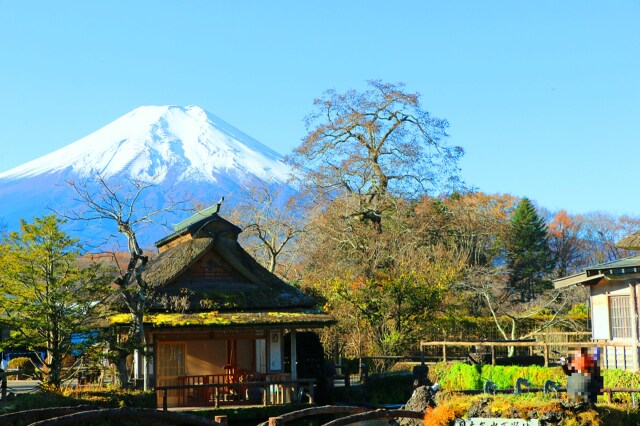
<point>308,317</point>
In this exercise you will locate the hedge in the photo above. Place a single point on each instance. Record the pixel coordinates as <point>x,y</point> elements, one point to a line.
<point>460,376</point>
<point>24,364</point>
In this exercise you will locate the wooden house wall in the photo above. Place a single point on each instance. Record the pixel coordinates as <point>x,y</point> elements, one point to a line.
<point>620,358</point>
<point>205,357</point>
<point>600,315</point>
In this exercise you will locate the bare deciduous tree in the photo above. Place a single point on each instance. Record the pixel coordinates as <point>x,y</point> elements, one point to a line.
<point>508,312</point>
<point>122,204</point>
<point>374,143</point>
<point>271,221</point>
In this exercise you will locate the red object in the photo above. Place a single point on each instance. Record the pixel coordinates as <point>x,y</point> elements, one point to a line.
<point>583,363</point>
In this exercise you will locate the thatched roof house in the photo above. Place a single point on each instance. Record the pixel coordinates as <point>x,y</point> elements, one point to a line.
<point>216,310</point>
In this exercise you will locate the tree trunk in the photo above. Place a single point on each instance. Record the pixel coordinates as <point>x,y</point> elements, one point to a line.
<point>122,374</point>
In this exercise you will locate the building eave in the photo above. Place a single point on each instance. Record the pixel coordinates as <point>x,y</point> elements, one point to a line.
<point>577,279</point>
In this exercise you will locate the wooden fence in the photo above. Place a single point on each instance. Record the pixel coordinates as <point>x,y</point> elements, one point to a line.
<point>542,347</point>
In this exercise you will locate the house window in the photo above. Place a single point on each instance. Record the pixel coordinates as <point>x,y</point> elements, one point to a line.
<point>620,318</point>
<point>171,364</point>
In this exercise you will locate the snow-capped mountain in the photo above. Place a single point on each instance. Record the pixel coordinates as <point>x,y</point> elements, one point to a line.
<point>150,141</point>
<point>183,149</point>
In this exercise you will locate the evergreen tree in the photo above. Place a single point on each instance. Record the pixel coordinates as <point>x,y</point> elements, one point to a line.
<point>48,295</point>
<point>529,258</point>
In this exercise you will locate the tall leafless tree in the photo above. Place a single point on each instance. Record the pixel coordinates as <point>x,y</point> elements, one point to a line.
<point>374,143</point>
<point>488,283</point>
<point>271,222</point>
<point>122,204</point>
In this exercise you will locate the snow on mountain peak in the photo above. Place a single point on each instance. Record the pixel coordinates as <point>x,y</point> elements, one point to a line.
<point>150,141</point>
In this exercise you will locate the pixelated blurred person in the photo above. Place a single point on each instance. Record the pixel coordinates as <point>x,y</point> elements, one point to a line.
<point>585,381</point>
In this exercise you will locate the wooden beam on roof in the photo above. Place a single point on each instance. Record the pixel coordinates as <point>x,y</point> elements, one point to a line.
<point>577,279</point>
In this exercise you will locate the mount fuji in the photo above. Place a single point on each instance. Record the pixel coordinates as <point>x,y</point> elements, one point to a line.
<point>182,150</point>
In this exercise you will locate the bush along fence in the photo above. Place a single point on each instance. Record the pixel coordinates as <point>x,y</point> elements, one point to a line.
<point>460,376</point>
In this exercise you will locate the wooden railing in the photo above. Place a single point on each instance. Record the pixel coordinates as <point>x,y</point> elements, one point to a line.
<point>269,392</point>
<point>545,347</point>
<point>196,395</point>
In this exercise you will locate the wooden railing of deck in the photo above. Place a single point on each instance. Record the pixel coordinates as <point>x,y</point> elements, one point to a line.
<point>218,390</point>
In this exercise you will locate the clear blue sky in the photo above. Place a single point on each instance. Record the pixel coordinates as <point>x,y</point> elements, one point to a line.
<point>543,95</point>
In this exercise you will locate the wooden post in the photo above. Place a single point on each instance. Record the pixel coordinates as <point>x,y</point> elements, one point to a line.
<point>347,375</point>
<point>546,354</point>
<point>3,385</point>
<point>609,396</point>
<point>493,355</point>
<point>221,419</point>
<point>294,356</point>
<point>265,395</point>
<point>294,361</point>
<point>164,400</point>
<point>444,352</point>
<point>276,421</point>
<point>634,325</point>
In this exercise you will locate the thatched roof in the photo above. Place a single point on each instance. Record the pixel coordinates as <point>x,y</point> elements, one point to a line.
<point>310,318</point>
<point>206,269</point>
<point>632,242</point>
<point>169,264</point>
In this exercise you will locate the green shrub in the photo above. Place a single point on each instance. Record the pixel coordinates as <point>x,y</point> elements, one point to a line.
<point>106,398</point>
<point>458,376</point>
<point>506,376</point>
<point>24,364</point>
<point>621,379</point>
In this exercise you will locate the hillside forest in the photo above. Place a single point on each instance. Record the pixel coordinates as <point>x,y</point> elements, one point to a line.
<point>383,232</point>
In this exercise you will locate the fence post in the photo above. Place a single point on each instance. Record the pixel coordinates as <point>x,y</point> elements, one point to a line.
<point>265,395</point>
<point>164,400</point>
<point>546,354</point>
<point>347,376</point>
<point>493,355</point>
<point>3,385</point>
<point>444,352</point>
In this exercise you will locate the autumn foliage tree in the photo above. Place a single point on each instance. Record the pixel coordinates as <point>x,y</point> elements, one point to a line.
<point>568,248</point>
<point>367,155</point>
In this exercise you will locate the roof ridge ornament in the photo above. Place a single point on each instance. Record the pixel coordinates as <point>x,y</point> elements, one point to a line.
<point>198,216</point>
